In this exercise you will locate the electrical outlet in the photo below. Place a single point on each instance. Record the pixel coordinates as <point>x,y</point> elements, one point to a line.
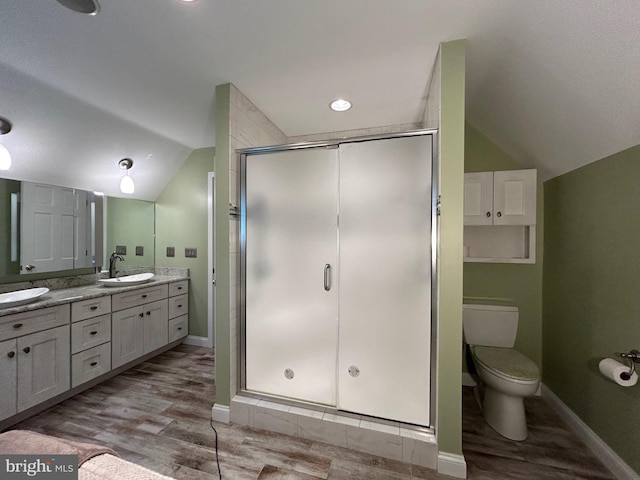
<point>171,251</point>
<point>121,249</point>
<point>139,251</point>
<point>190,252</point>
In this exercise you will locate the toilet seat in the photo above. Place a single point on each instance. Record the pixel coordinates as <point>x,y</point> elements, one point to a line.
<point>507,363</point>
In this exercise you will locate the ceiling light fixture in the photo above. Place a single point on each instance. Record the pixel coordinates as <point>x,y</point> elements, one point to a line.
<point>5,156</point>
<point>88,7</point>
<point>126,184</point>
<point>340,105</point>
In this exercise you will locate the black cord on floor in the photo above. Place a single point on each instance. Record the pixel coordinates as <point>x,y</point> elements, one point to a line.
<point>216,436</point>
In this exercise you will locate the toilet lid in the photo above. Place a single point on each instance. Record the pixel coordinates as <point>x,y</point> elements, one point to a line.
<point>507,362</point>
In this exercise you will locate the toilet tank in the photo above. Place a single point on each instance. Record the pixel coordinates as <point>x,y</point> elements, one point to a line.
<point>490,325</point>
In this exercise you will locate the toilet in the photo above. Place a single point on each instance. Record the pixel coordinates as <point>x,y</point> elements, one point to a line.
<point>506,375</point>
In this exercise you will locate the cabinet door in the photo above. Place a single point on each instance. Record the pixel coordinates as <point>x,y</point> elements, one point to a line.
<point>478,198</point>
<point>8,377</point>
<point>156,321</point>
<point>126,336</point>
<point>43,366</point>
<point>514,197</point>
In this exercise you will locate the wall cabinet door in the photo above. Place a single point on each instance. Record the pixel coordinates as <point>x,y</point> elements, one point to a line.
<point>127,341</point>
<point>8,378</point>
<point>43,366</point>
<point>500,198</point>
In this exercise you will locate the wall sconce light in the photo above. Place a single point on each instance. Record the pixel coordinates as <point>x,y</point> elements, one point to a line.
<point>126,184</point>
<point>5,156</point>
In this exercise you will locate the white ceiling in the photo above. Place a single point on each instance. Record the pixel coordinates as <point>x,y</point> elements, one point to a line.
<point>554,83</point>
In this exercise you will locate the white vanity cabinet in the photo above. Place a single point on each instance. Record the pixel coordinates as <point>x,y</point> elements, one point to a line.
<point>90,339</point>
<point>178,310</point>
<point>139,323</point>
<point>34,349</point>
<point>500,216</point>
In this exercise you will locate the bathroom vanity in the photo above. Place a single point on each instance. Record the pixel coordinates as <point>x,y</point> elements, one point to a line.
<point>73,338</point>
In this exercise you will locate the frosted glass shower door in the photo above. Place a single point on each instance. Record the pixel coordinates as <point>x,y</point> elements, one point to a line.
<point>385,278</point>
<point>291,274</point>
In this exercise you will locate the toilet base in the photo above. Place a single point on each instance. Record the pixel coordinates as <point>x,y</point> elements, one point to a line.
<point>505,414</point>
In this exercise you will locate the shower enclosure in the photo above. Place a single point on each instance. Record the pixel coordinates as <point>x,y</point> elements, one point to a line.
<point>337,266</point>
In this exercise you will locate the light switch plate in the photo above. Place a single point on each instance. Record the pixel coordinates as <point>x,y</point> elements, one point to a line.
<point>139,251</point>
<point>190,252</point>
<point>121,249</point>
<point>171,251</point>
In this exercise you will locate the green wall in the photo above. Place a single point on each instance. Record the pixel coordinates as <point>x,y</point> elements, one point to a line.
<point>591,293</point>
<point>449,360</point>
<point>506,284</point>
<point>222,307</point>
<point>181,221</point>
<point>130,223</point>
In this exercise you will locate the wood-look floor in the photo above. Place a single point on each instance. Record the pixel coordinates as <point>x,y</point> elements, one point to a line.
<point>157,415</point>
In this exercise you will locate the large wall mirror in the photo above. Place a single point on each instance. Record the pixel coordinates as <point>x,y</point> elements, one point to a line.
<point>46,228</point>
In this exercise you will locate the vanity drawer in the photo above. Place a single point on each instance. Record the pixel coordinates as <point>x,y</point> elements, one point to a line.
<point>89,333</point>
<point>90,364</point>
<point>120,301</point>
<point>19,324</point>
<point>90,308</point>
<point>178,328</point>
<point>178,288</point>
<point>178,306</point>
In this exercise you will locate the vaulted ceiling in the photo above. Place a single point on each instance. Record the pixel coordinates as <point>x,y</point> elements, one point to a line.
<point>553,83</point>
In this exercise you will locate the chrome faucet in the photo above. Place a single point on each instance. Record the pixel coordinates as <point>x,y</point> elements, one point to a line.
<point>112,264</point>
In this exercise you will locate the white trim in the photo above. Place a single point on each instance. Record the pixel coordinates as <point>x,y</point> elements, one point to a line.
<point>197,341</point>
<point>452,464</point>
<point>211,251</point>
<point>611,460</point>
<point>468,380</point>
<point>221,413</point>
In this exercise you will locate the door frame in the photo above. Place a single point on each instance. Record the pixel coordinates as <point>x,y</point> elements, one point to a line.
<point>435,223</point>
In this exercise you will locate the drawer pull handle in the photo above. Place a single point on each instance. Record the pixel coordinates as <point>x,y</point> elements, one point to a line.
<point>26,349</point>
<point>93,333</point>
<point>179,328</point>
<point>11,354</point>
<point>179,288</point>
<point>95,307</point>
<point>93,364</point>
<point>144,296</point>
<point>180,306</point>
<point>17,325</point>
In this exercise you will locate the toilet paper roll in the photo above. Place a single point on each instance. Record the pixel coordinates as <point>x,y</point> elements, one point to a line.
<point>613,370</point>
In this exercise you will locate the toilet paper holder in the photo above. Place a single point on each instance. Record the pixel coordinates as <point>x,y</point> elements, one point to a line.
<point>634,357</point>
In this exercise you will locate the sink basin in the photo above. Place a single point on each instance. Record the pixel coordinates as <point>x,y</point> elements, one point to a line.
<point>127,280</point>
<point>21,297</point>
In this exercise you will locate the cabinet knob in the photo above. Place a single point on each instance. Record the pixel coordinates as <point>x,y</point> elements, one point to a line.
<point>17,325</point>
<point>488,214</point>
<point>148,313</point>
<point>499,214</point>
<point>141,315</point>
<point>93,333</point>
<point>26,349</point>
<point>11,354</point>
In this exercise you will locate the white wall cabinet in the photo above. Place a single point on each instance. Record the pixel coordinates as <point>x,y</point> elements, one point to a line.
<point>500,216</point>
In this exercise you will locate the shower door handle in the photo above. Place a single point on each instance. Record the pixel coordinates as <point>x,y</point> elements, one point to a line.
<point>327,277</point>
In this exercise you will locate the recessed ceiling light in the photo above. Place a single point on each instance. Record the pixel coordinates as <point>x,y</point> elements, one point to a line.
<point>340,105</point>
<point>88,7</point>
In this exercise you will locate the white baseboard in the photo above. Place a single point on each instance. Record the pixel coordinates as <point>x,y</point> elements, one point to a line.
<point>452,465</point>
<point>221,413</point>
<point>611,460</point>
<point>198,341</point>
